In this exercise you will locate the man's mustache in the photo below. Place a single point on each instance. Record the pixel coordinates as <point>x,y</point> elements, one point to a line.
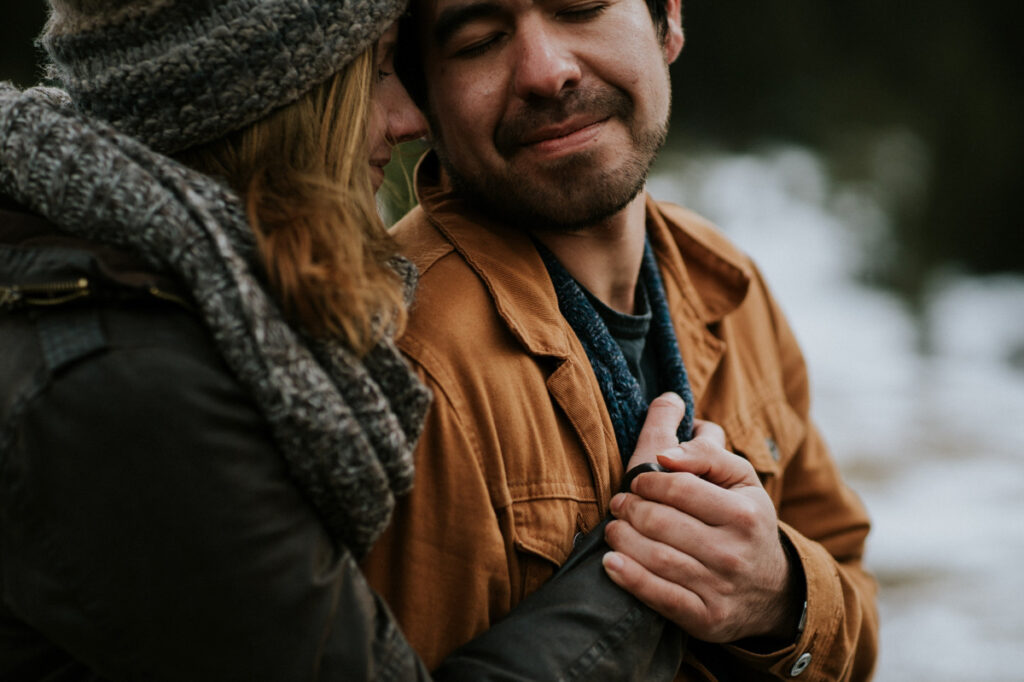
<point>599,104</point>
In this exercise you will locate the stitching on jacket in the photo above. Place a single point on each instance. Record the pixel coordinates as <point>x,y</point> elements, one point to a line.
<point>606,643</point>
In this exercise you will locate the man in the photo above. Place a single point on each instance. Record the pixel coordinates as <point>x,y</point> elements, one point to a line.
<point>556,300</point>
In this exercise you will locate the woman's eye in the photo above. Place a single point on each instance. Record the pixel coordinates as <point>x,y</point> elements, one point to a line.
<point>382,74</point>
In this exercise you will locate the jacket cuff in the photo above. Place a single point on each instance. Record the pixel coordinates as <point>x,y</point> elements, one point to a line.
<point>803,658</point>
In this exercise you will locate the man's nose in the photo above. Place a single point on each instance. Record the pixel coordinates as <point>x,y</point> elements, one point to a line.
<point>544,62</point>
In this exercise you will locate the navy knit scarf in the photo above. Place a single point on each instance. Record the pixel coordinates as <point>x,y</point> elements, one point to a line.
<point>622,395</point>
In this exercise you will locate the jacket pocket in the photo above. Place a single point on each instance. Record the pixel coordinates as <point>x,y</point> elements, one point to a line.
<point>768,438</point>
<point>545,529</point>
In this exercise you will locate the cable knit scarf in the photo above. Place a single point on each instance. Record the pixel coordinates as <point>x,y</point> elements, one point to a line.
<point>626,403</point>
<point>345,427</point>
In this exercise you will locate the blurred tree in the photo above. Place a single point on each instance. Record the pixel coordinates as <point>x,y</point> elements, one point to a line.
<point>842,77</point>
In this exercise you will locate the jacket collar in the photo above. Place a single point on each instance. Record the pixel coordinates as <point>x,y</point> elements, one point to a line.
<point>503,257</point>
<point>712,275</point>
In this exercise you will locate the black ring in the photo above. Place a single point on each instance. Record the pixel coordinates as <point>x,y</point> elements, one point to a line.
<point>627,478</point>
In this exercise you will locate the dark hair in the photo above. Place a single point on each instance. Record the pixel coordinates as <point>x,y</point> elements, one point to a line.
<point>409,66</point>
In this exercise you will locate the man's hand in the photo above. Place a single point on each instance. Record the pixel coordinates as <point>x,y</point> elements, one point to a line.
<point>700,543</point>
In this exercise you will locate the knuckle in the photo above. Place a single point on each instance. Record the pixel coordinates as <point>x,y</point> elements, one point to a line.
<point>744,465</point>
<point>705,447</point>
<point>663,559</point>
<point>613,532</point>
<point>660,525</point>
<point>715,432</point>
<point>642,516</point>
<point>729,565</point>
<point>627,505</point>
<point>718,625</point>
<point>679,610</point>
<point>746,516</point>
<point>708,621</point>
<point>679,483</point>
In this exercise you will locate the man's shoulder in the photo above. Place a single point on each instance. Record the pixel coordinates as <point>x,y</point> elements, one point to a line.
<point>420,241</point>
<point>453,310</point>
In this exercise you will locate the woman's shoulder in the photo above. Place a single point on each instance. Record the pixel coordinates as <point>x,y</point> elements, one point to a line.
<point>74,313</point>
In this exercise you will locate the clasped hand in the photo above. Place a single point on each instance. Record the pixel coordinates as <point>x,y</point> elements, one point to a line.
<point>700,543</point>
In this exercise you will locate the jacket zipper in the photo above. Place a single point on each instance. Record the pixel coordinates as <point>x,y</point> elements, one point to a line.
<point>56,293</point>
<point>166,296</point>
<point>50,293</point>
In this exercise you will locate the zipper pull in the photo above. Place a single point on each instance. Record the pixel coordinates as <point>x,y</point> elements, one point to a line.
<point>9,297</point>
<point>49,293</point>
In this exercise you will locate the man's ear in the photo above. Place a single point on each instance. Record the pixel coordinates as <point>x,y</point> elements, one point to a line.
<point>673,43</point>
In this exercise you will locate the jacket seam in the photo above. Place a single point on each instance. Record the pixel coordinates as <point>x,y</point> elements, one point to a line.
<point>603,646</point>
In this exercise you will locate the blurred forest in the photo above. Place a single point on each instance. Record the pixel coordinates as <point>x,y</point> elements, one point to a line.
<point>922,100</point>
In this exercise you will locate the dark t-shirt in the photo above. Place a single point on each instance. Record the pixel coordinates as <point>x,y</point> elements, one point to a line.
<point>630,333</point>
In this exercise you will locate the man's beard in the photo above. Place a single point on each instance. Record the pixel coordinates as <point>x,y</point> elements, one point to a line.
<point>567,194</point>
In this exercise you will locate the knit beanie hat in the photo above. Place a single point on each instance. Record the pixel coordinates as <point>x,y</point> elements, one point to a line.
<point>178,73</point>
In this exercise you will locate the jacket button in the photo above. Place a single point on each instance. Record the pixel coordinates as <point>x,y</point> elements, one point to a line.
<point>800,665</point>
<point>576,540</point>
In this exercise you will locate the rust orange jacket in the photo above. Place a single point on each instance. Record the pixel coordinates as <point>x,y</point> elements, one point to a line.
<point>518,452</point>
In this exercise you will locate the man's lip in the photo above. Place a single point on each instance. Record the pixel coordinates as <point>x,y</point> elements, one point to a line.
<point>556,131</point>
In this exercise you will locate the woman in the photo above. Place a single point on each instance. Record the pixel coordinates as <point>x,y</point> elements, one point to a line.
<point>204,421</point>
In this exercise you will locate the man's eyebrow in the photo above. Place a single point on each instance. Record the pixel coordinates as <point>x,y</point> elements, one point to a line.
<point>451,19</point>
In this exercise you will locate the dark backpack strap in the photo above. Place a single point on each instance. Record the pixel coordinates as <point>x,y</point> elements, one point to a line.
<point>68,334</point>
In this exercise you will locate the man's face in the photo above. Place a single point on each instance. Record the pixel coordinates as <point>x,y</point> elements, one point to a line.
<point>548,113</point>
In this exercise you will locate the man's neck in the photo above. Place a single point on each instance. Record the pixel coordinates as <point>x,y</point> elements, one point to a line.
<point>605,258</point>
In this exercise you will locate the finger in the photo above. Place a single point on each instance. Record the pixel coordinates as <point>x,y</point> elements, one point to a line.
<point>675,602</point>
<point>659,431</point>
<point>667,561</point>
<point>709,430</point>
<point>704,457</point>
<point>666,506</point>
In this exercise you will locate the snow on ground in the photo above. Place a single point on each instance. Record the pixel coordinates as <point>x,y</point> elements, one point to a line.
<point>934,444</point>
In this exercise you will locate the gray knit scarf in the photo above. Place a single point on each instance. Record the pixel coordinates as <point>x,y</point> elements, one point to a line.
<point>345,427</point>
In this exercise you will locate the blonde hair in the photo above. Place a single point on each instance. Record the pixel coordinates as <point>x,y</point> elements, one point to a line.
<point>303,174</point>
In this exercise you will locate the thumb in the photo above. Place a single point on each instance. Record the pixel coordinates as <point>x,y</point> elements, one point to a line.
<point>659,432</point>
<point>706,456</point>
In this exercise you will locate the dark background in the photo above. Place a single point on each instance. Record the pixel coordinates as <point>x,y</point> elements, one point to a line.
<point>840,78</point>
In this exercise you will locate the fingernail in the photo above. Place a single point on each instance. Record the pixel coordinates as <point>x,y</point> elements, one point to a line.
<point>612,562</point>
<point>616,503</point>
<point>673,397</point>
<point>673,455</point>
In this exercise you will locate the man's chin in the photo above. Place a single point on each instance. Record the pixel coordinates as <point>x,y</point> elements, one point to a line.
<point>563,195</point>
<point>552,207</point>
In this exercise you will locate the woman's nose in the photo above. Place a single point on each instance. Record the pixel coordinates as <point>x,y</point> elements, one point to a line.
<point>405,120</point>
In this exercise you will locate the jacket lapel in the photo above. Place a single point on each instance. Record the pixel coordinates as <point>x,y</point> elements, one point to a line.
<point>705,277</point>
<point>507,262</point>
